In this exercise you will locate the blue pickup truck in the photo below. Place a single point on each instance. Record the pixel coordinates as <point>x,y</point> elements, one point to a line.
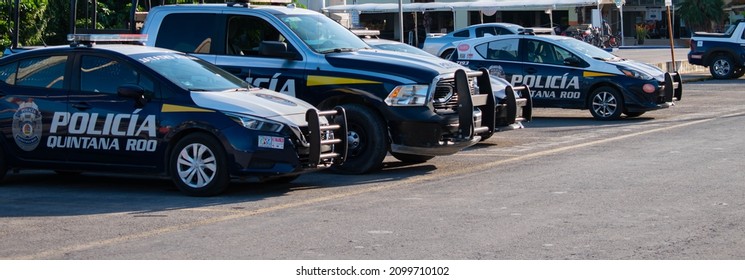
<point>723,53</point>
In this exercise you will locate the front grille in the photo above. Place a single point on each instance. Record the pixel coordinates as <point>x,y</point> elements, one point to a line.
<point>445,97</point>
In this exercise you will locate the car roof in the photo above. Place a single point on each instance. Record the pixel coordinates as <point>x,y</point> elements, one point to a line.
<point>480,40</point>
<point>272,9</point>
<point>511,26</point>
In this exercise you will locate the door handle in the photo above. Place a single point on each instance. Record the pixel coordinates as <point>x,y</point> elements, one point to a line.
<point>531,70</point>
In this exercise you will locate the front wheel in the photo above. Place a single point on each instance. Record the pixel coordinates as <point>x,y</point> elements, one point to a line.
<point>739,72</point>
<point>606,103</point>
<point>722,67</point>
<point>366,140</point>
<point>198,166</point>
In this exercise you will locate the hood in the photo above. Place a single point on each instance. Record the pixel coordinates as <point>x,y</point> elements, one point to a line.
<point>651,70</point>
<point>256,102</point>
<point>419,68</point>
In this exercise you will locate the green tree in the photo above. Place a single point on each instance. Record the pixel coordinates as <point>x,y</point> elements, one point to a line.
<point>33,22</point>
<point>47,22</point>
<point>699,15</point>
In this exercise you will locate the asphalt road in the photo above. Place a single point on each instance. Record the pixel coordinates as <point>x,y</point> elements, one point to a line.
<point>667,185</point>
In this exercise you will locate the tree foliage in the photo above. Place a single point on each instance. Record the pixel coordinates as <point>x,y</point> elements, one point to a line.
<point>47,22</point>
<point>33,20</point>
<point>699,15</point>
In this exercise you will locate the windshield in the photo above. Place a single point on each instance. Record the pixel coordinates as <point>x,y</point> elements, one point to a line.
<point>191,73</point>
<point>588,50</point>
<point>322,34</point>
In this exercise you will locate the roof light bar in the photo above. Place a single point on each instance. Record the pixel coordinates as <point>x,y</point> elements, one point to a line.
<point>106,38</point>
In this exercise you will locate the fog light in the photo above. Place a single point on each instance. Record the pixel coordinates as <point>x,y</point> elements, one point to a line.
<point>649,88</point>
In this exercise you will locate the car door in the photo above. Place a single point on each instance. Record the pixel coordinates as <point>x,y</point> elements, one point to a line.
<point>34,92</point>
<point>241,56</point>
<point>104,127</point>
<point>500,57</point>
<point>552,80</point>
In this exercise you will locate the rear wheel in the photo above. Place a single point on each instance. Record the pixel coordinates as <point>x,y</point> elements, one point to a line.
<point>606,103</point>
<point>446,54</point>
<point>198,165</point>
<point>722,67</point>
<point>366,140</point>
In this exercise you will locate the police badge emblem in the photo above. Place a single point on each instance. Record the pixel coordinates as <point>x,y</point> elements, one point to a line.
<point>27,126</point>
<point>496,71</point>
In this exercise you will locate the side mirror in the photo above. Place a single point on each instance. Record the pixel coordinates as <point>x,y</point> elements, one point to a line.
<point>276,49</point>
<point>572,61</point>
<point>134,92</point>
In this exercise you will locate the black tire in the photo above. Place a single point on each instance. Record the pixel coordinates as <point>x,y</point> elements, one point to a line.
<point>633,114</point>
<point>201,155</point>
<point>446,54</point>
<point>280,179</point>
<point>739,72</point>
<point>409,158</point>
<point>606,103</point>
<point>722,67</point>
<point>367,141</point>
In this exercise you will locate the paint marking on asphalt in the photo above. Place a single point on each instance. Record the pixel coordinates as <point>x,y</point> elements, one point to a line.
<point>59,252</point>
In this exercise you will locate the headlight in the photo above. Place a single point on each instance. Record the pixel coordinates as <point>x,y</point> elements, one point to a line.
<point>256,123</point>
<point>634,73</point>
<point>408,95</point>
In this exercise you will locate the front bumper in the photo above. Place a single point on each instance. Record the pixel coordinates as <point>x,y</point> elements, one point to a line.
<point>514,109</point>
<point>669,91</point>
<point>319,146</point>
<point>421,131</point>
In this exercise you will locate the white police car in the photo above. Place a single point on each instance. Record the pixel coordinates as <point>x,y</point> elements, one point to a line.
<point>119,107</point>
<point>564,72</point>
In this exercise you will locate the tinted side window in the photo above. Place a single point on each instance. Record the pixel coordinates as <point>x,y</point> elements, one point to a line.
<point>501,31</point>
<point>481,31</point>
<point>96,76</point>
<point>245,34</point>
<point>463,33</point>
<point>189,33</point>
<point>44,72</point>
<point>8,73</point>
<point>562,54</point>
<point>499,50</point>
